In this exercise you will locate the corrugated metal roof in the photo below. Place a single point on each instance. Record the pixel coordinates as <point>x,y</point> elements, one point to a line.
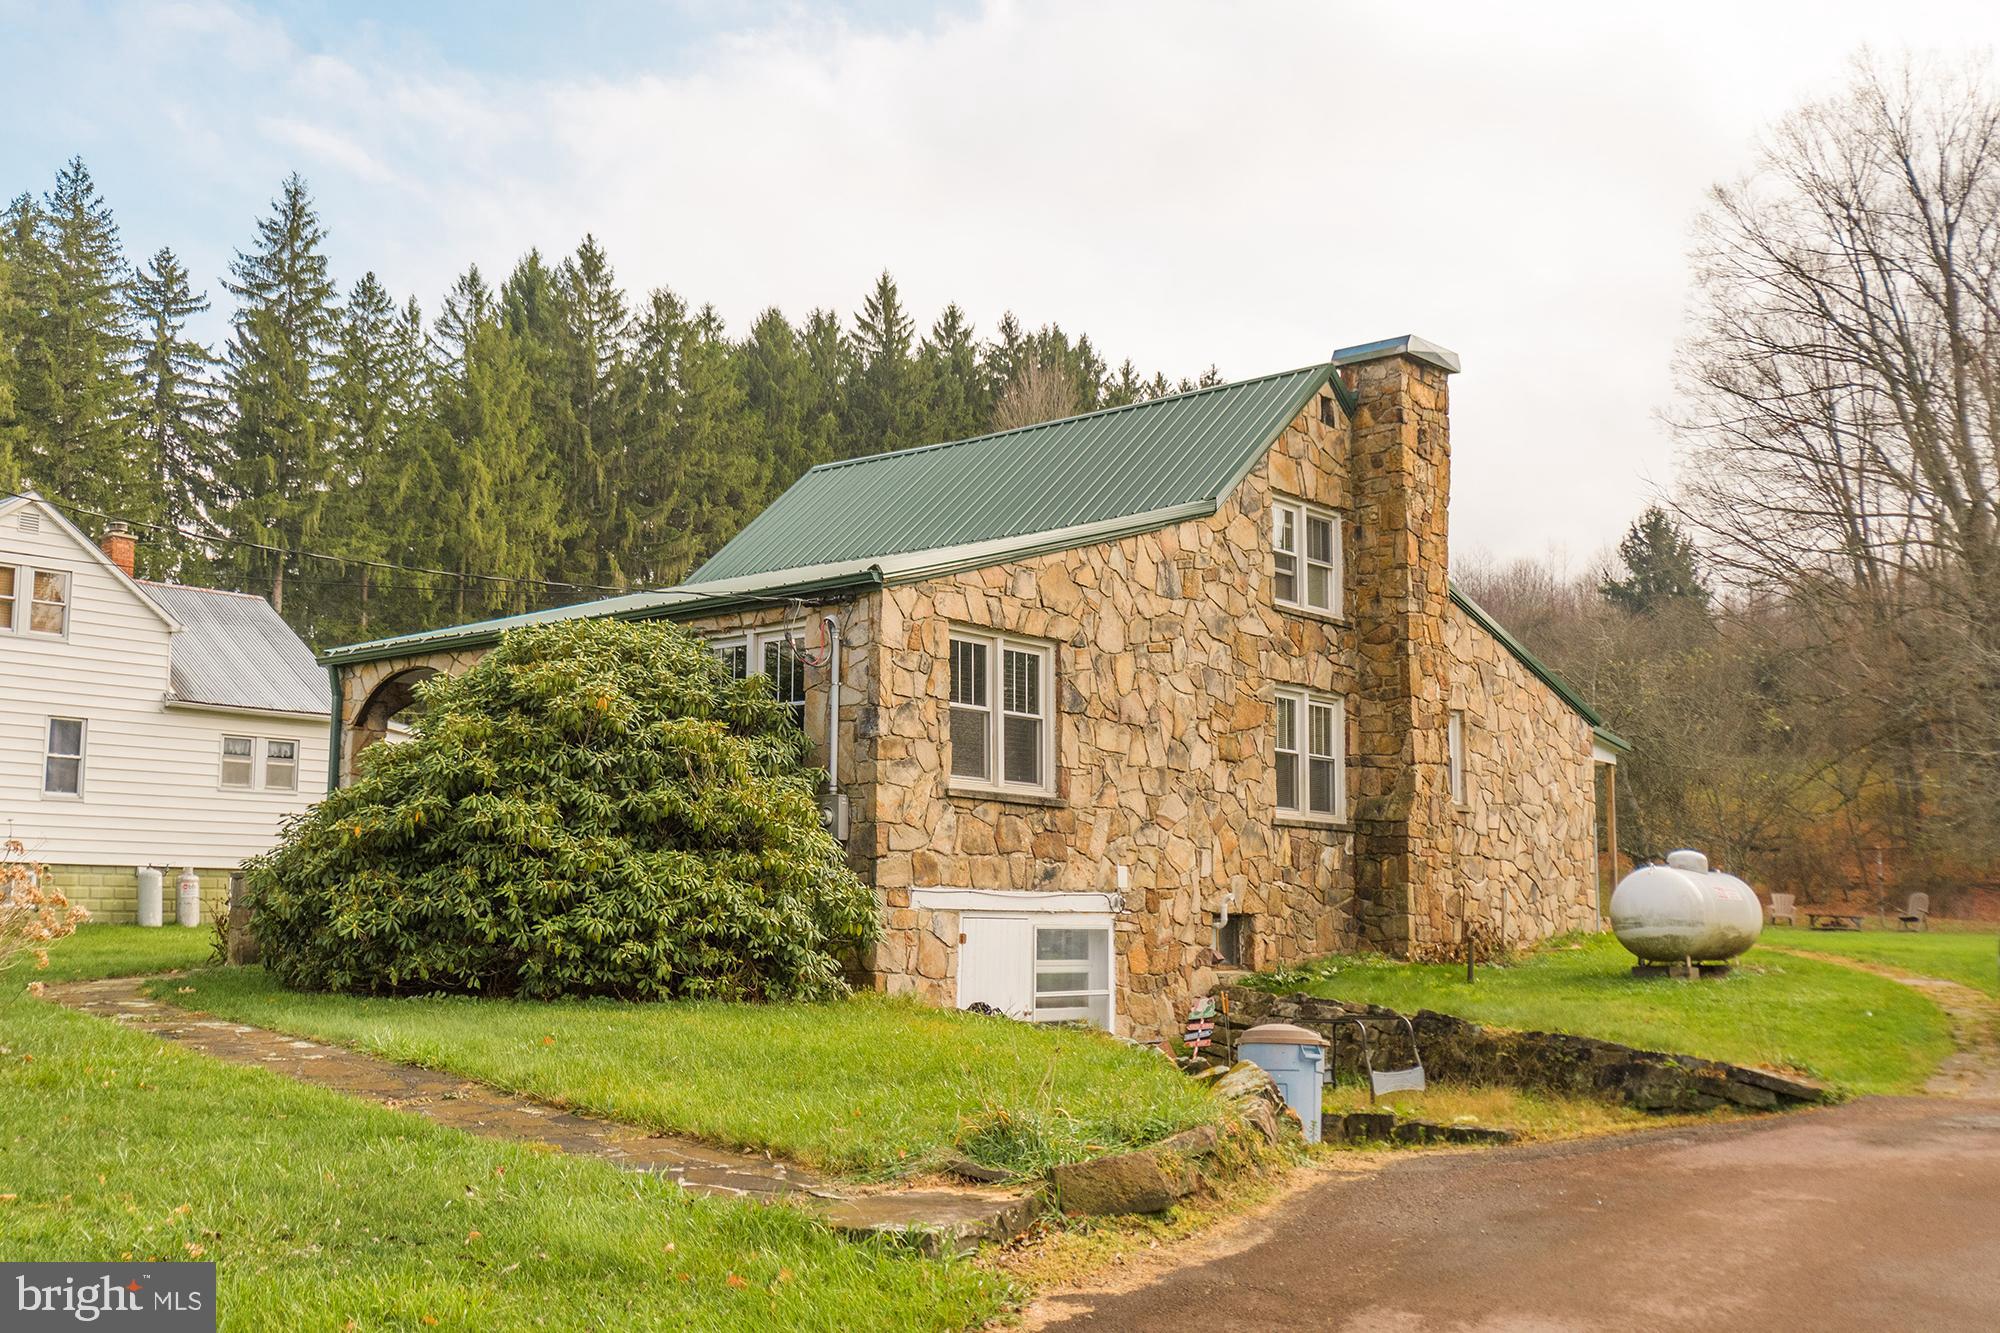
<point>234,651</point>
<point>1080,471</point>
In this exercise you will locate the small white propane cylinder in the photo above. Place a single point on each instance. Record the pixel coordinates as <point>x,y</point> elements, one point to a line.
<point>187,898</point>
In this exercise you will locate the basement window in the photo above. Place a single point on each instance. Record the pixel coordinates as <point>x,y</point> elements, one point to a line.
<point>1306,557</point>
<point>1233,941</point>
<point>1073,975</point>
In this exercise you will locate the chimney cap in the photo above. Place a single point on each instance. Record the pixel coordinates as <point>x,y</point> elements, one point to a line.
<point>1409,344</point>
<point>118,527</point>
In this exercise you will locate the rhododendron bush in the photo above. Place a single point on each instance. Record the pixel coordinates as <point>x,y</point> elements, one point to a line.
<point>595,808</point>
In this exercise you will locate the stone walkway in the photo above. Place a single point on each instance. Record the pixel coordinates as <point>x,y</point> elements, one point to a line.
<point>936,1219</point>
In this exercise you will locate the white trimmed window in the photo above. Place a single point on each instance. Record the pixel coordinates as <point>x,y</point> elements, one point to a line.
<point>281,765</point>
<point>1455,752</point>
<point>62,758</point>
<point>774,655</point>
<point>1306,557</point>
<point>239,762</point>
<point>1309,747</point>
<point>1002,733</point>
<point>34,601</point>
<point>1073,975</point>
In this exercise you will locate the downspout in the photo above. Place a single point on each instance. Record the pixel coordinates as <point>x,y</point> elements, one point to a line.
<point>832,624</point>
<point>334,729</point>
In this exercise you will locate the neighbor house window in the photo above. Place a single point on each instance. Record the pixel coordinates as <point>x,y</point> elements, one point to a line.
<point>1073,974</point>
<point>7,598</point>
<point>239,762</point>
<point>281,765</point>
<point>1001,730</point>
<point>62,761</point>
<point>1455,755</point>
<point>1309,746</point>
<point>1305,554</point>
<point>48,612</point>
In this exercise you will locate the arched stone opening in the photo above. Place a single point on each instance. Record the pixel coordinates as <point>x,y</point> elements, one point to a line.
<point>392,698</point>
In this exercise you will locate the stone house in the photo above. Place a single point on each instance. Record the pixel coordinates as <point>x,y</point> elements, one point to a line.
<point>1115,704</point>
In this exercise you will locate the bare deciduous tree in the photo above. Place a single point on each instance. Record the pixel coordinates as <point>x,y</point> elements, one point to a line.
<point>1038,392</point>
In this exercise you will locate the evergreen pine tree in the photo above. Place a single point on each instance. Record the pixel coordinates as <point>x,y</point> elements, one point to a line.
<point>697,482</point>
<point>884,410</point>
<point>369,513</point>
<point>955,400</point>
<point>73,351</point>
<point>591,435</point>
<point>775,373</point>
<point>10,431</point>
<point>279,360</point>
<point>179,417</point>
<point>1661,564</point>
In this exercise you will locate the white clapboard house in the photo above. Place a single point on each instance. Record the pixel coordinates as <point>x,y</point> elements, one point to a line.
<point>143,724</point>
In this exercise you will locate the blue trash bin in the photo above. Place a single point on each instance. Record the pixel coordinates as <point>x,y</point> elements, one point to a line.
<point>1295,1058</point>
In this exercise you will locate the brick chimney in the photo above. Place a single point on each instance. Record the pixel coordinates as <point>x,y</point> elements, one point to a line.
<point>1401,471</point>
<point>119,543</point>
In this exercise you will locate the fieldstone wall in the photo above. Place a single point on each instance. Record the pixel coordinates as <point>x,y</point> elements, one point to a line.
<point>1457,1051</point>
<point>373,692</point>
<point>1167,648</point>
<point>1523,843</point>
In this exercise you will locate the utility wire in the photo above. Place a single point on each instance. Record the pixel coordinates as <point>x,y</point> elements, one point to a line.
<point>217,538</point>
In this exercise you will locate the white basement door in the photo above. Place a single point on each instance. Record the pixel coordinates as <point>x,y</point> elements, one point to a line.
<point>992,959</point>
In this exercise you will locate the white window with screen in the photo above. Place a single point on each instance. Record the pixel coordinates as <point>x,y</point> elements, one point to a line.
<point>1047,967</point>
<point>239,762</point>
<point>9,580</point>
<point>48,606</point>
<point>1309,754</point>
<point>1002,723</point>
<point>281,765</point>
<point>734,654</point>
<point>1306,557</point>
<point>1455,750</point>
<point>62,757</point>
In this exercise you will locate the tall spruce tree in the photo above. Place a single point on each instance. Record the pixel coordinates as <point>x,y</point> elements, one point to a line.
<point>369,512</point>
<point>178,414</point>
<point>73,349</point>
<point>884,406</point>
<point>279,361</point>
<point>775,373</point>
<point>955,401</point>
<point>697,479</point>
<point>1662,567</point>
<point>10,429</point>
<point>591,436</point>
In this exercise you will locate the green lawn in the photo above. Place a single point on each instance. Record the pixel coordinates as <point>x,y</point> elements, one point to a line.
<point>1971,957</point>
<point>1858,1033</point>
<point>867,1086</point>
<point>320,1210</point>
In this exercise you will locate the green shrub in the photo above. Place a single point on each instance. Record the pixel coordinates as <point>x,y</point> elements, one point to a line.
<point>595,808</point>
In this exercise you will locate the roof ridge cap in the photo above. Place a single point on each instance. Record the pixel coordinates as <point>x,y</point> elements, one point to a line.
<point>909,450</point>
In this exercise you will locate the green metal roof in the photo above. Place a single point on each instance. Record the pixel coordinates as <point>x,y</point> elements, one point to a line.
<point>1147,464</point>
<point>1540,670</point>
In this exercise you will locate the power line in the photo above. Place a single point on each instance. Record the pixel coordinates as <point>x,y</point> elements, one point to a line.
<point>217,538</point>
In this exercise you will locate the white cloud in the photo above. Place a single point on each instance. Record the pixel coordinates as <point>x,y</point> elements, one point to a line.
<point>1189,183</point>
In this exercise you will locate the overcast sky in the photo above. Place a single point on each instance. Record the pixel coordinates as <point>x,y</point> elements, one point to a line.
<point>1249,185</point>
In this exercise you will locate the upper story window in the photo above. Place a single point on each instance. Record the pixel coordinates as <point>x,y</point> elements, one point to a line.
<point>774,655</point>
<point>1306,558</point>
<point>35,601</point>
<point>239,763</point>
<point>1455,755</point>
<point>62,758</point>
<point>1309,744</point>
<point>1002,732</point>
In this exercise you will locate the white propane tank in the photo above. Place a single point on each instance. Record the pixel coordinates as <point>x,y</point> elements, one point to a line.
<point>1685,911</point>
<point>151,883</point>
<point>187,898</point>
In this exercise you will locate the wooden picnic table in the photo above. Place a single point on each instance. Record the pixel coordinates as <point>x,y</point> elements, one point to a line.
<point>1834,918</point>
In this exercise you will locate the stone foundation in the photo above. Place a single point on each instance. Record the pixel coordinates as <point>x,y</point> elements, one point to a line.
<point>111,893</point>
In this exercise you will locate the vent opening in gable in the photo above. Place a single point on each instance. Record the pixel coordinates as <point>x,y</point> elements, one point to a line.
<point>31,523</point>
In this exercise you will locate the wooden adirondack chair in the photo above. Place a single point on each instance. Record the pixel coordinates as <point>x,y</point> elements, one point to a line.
<point>1917,915</point>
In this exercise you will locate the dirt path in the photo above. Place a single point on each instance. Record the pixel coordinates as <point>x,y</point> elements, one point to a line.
<point>1973,1069</point>
<point>944,1217</point>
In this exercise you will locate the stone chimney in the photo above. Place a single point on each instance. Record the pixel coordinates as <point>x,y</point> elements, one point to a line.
<point>119,543</point>
<point>1399,767</point>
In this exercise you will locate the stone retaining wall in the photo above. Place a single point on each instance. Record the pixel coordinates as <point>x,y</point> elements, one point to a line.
<point>1457,1051</point>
